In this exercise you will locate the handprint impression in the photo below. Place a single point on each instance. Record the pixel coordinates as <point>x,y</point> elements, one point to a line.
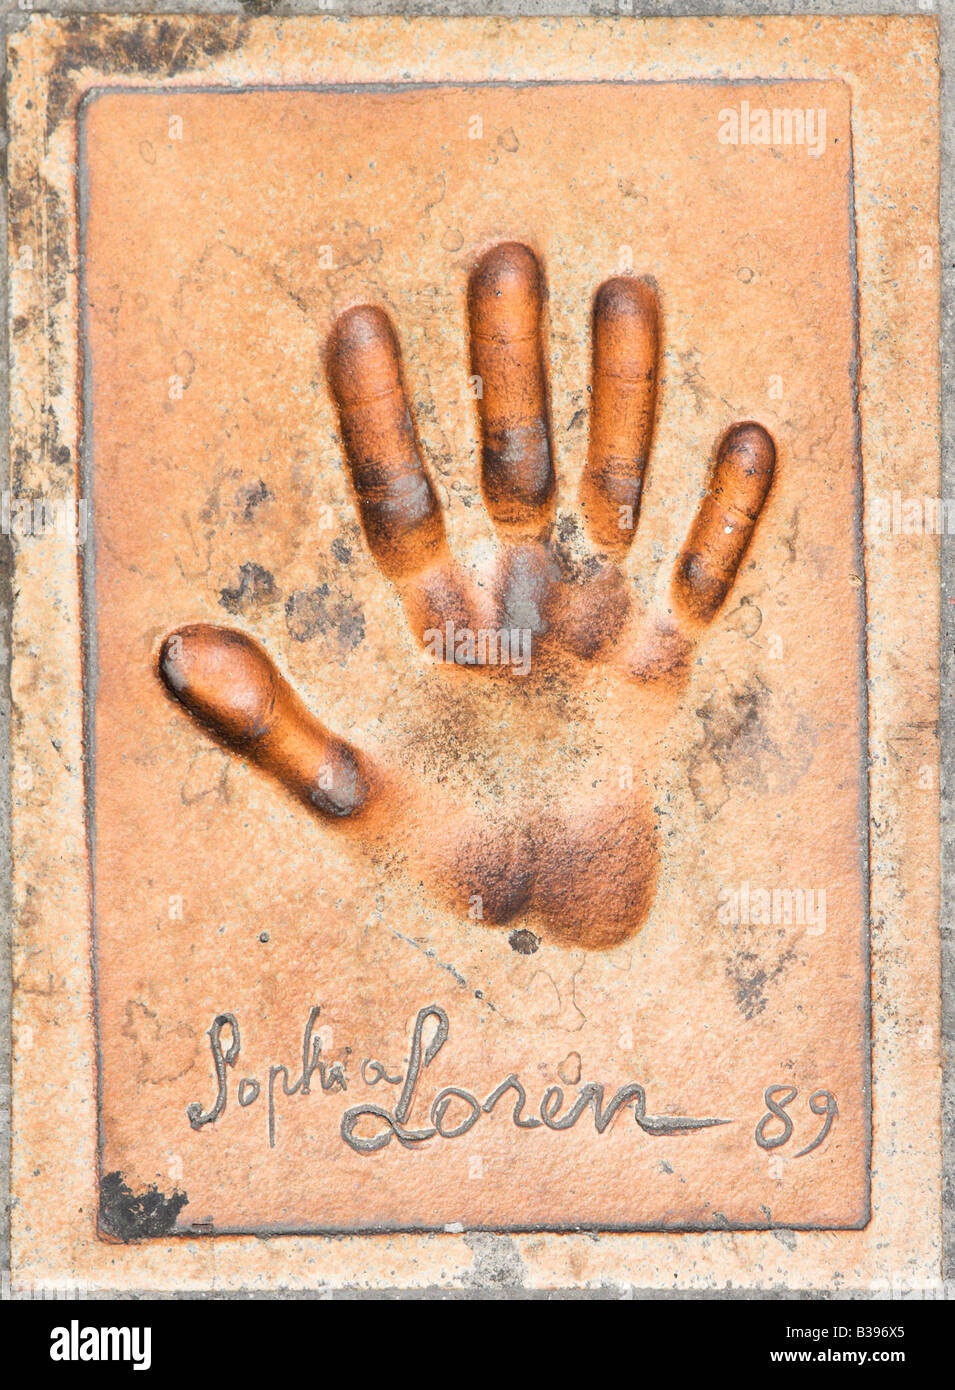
<point>500,790</point>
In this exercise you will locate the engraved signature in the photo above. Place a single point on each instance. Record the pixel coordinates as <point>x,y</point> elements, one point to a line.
<point>400,1122</point>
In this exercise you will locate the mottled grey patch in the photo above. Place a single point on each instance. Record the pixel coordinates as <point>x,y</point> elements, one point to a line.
<point>751,975</point>
<point>573,555</point>
<point>311,613</point>
<point>497,1260</point>
<point>255,586</point>
<point>252,496</point>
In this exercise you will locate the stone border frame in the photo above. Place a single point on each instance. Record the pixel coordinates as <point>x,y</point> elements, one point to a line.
<point>54,64</point>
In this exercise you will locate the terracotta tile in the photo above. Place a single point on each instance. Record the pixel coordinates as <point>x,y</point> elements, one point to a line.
<point>651,861</point>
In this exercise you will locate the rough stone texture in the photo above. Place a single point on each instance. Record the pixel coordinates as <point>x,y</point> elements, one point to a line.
<point>492,1268</point>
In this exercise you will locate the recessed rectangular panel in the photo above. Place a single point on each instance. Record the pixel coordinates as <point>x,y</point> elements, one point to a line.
<point>573,933</point>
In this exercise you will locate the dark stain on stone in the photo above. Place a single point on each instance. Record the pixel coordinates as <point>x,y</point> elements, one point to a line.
<point>497,1261</point>
<point>125,1215</point>
<point>251,497</point>
<point>170,45</point>
<point>567,528</point>
<point>750,978</point>
<point>727,720</point>
<point>256,586</point>
<point>39,217</point>
<point>525,943</point>
<point>574,560</point>
<point>310,613</point>
<point>341,550</point>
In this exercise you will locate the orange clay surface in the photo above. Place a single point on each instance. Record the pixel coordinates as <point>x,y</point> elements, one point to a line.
<point>569,861</point>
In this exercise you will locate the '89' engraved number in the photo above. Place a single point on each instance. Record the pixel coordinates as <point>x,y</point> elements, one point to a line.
<point>777,1098</point>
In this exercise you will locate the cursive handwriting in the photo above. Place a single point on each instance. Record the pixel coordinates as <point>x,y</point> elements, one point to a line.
<point>590,1096</point>
<point>453,1112</point>
<point>331,1076</point>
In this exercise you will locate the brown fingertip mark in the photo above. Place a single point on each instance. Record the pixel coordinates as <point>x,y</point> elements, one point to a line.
<point>724,524</point>
<point>661,653</point>
<point>490,874</point>
<point>626,347</point>
<point>588,617</point>
<point>229,683</point>
<point>399,511</point>
<point>525,586</point>
<point>505,301</point>
<point>595,881</point>
<point>435,597</point>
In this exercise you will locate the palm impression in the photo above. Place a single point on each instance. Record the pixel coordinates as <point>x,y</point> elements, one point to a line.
<point>518,782</point>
